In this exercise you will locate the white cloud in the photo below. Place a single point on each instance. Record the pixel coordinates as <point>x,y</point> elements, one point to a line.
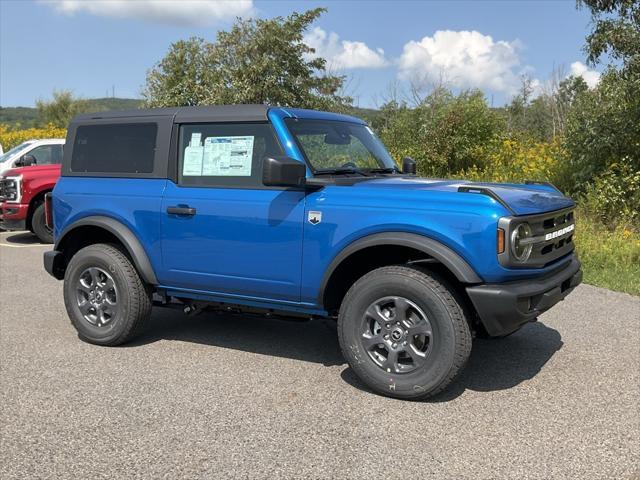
<point>343,54</point>
<point>180,12</point>
<point>591,77</point>
<point>464,59</point>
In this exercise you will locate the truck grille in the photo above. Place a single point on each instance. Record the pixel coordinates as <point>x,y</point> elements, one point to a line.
<point>555,237</point>
<point>551,237</point>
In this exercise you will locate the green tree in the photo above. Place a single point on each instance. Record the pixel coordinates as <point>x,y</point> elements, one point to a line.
<point>518,107</point>
<point>257,61</point>
<point>183,77</point>
<point>603,129</point>
<point>616,32</point>
<point>570,90</point>
<point>61,109</point>
<point>444,133</point>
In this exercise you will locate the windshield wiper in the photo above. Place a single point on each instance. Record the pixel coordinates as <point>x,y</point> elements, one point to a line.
<point>339,171</point>
<point>384,170</point>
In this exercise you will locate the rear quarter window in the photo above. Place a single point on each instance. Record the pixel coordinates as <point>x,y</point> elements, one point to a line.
<point>123,148</point>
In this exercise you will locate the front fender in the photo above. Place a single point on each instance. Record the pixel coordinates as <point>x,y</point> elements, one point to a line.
<point>445,255</point>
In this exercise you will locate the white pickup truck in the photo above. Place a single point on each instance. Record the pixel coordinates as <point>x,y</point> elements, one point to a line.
<point>44,151</point>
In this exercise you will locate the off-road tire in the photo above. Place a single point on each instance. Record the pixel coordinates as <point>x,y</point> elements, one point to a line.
<point>134,297</point>
<point>452,338</point>
<point>39,225</point>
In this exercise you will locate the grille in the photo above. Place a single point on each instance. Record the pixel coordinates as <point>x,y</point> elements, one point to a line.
<point>554,237</point>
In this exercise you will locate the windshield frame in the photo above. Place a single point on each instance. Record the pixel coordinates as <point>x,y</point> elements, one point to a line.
<point>386,162</point>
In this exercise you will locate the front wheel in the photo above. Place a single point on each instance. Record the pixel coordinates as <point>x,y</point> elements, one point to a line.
<point>403,332</point>
<point>106,300</point>
<point>39,225</point>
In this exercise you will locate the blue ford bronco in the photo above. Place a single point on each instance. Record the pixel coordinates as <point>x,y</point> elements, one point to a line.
<point>301,214</point>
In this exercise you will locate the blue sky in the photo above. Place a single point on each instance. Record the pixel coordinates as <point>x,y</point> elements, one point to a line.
<point>88,47</point>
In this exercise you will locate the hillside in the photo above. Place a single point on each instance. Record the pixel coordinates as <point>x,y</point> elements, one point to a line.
<point>28,116</point>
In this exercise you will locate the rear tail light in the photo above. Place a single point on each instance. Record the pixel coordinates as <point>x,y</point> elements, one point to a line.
<point>48,210</point>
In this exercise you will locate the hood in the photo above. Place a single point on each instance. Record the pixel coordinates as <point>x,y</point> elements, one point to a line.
<point>32,170</point>
<point>522,199</point>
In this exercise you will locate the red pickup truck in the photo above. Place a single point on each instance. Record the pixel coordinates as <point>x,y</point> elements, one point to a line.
<point>22,192</point>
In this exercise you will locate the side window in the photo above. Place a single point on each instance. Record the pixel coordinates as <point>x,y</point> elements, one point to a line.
<point>127,148</point>
<point>56,154</point>
<point>225,155</point>
<point>43,154</point>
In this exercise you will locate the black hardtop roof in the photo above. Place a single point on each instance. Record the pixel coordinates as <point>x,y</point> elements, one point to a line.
<point>209,113</point>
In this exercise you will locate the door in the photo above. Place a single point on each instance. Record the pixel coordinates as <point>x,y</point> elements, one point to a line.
<point>223,232</point>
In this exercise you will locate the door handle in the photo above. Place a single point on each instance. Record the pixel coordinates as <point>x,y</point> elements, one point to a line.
<point>184,211</point>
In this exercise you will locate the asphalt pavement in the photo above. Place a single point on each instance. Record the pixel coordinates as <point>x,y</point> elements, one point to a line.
<point>215,396</point>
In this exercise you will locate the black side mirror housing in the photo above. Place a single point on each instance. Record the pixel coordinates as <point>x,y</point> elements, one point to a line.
<point>26,161</point>
<point>283,172</point>
<point>408,166</point>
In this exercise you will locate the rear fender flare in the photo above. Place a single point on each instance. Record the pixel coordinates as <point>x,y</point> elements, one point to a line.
<point>123,233</point>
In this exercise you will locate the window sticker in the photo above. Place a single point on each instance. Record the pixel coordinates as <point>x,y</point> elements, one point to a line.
<point>193,154</point>
<point>227,156</point>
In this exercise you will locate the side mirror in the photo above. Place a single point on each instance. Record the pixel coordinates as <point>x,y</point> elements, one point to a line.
<point>26,161</point>
<point>283,172</point>
<point>408,166</point>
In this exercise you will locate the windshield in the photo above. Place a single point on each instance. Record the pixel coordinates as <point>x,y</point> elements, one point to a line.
<point>333,145</point>
<point>14,150</point>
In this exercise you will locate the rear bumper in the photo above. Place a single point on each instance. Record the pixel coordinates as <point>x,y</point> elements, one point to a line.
<point>13,216</point>
<point>504,308</point>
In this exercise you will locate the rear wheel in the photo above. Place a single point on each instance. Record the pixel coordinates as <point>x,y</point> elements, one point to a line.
<point>39,225</point>
<point>106,300</point>
<point>403,332</point>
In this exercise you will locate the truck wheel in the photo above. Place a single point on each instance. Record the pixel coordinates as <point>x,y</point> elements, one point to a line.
<point>403,332</point>
<point>39,225</point>
<point>106,300</point>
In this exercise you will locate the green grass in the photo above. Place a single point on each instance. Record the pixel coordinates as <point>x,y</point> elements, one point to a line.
<point>610,258</point>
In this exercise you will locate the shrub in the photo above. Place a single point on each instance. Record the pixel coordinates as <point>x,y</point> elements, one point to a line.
<point>444,133</point>
<point>519,160</point>
<point>610,258</point>
<point>613,198</point>
<point>604,128</point>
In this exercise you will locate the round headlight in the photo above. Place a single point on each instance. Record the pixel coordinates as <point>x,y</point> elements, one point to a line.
<point>520,249</point>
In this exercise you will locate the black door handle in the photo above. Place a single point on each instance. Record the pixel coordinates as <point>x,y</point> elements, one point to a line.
<point>187,211</point>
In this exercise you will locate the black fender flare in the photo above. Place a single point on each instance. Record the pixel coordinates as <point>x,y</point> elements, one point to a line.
<point>443,254</point>
<point>122,233</point>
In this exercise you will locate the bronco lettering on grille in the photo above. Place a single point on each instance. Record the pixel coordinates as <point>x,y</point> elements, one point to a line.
<point>559,233</point>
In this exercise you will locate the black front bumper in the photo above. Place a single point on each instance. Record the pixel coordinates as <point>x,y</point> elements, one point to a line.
<point>503,308</point>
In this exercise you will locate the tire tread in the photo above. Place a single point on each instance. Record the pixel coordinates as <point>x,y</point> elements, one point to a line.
<point>140,297</point>
<point>435,282</point>
<point>37,224</point>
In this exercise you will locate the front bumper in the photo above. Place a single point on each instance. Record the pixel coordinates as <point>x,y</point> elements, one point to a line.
<point>503,308</point>
<point>53,264</point>
<point>13,216</point>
